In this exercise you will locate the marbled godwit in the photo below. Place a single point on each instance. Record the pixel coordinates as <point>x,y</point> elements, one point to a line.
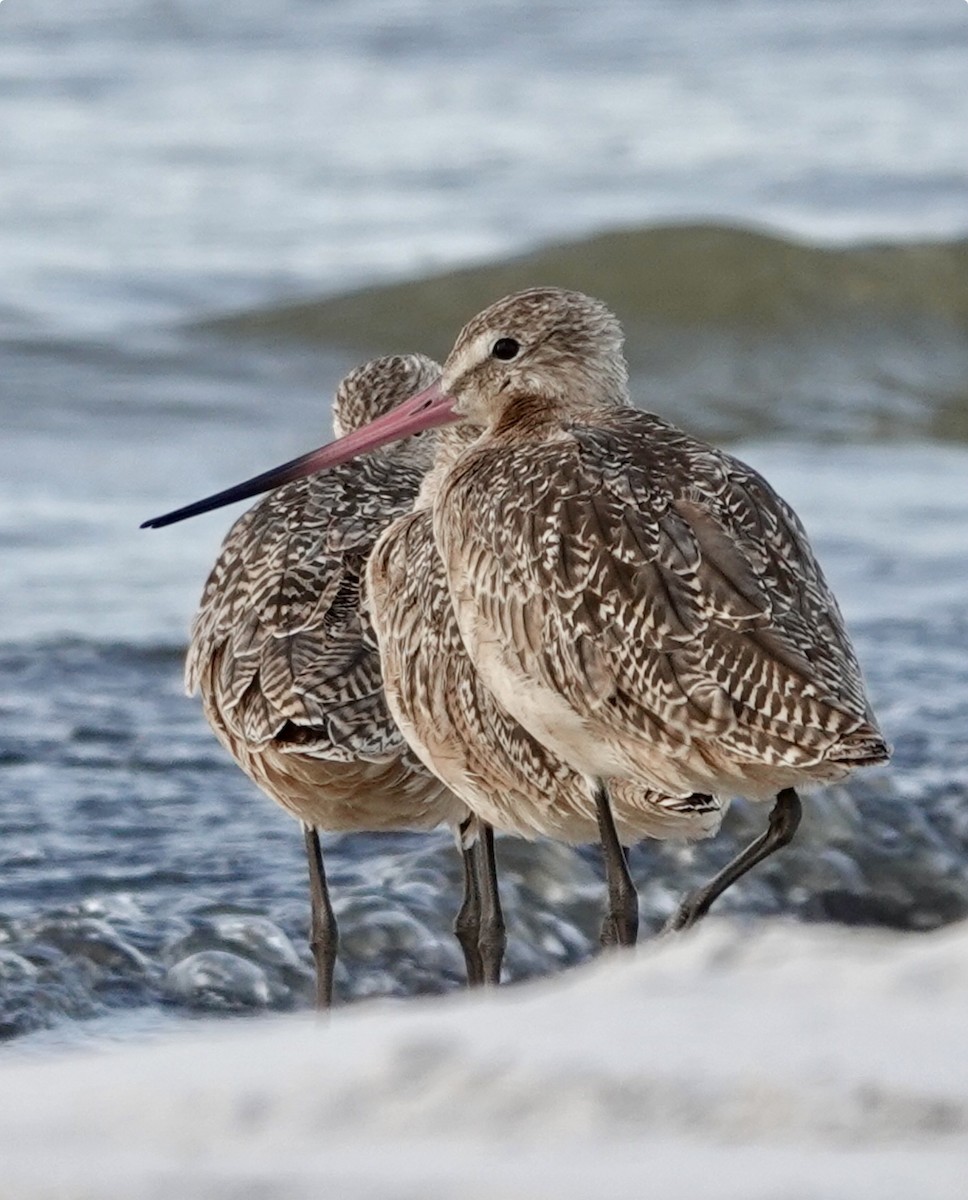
<point>287,667</point>
<point>644,604</point>
<point>457,728</point>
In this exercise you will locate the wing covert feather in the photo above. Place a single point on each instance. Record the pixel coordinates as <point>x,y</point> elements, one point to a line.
<point>639,568</point>
<point>292,656</point>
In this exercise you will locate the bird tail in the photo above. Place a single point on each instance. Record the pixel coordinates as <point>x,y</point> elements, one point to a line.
<point>863,747</point>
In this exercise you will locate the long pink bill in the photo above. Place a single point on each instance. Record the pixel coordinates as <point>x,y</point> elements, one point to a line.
<point>422,411</point>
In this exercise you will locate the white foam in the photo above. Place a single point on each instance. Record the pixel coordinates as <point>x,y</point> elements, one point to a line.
<point>779,1060</point>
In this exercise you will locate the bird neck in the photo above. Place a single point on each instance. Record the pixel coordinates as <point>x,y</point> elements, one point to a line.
<point>451,442</point>
<point>530,416</point>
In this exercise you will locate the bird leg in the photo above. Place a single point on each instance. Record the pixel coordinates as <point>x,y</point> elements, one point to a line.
<point>467,923</point>
<point>783,824</point>
<point>323,932</point>
<point>621,924</point>
<point>493,938</point>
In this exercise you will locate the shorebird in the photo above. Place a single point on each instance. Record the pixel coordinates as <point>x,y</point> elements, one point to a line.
<point>643,603</point>
<point>462,734</point>
<point>289,672</point>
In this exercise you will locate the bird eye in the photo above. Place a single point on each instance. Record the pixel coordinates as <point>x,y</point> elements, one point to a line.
<point>505,348</point>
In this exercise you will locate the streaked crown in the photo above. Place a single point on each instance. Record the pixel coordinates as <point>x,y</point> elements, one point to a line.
<point>372,389</point>
<point>546,341</point>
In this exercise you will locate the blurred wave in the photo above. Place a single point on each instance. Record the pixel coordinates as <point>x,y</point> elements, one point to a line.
<point>681,275</point>
<point>162,158</point>
<point>734,331</point>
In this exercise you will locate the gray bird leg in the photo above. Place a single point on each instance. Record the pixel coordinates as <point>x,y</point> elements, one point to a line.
<point>621,924</point>
<point>493,937</point>
<point>783,824</point>
<point>467,923</point>
<point>323,932</point>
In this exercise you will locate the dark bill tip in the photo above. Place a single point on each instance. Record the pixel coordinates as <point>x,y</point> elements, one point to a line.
<point>296,468</point>
<point>424,410</point>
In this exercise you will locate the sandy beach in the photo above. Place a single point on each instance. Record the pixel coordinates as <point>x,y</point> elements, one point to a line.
<point>764,1060</point>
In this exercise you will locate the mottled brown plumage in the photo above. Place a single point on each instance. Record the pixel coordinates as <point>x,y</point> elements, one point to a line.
<point>285,661</point>
<point>458,729</point>
<point>284,658</point>
<point>644,604</point>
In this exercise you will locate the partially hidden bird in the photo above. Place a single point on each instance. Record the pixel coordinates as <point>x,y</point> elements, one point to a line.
<point>460,731</point>
<point>289,671</point>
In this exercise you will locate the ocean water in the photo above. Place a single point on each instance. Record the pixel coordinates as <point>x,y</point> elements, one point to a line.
<point>162,157</point>
<point>187,195</point>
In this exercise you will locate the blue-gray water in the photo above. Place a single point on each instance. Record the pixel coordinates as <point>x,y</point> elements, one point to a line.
<point>165,162</point>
